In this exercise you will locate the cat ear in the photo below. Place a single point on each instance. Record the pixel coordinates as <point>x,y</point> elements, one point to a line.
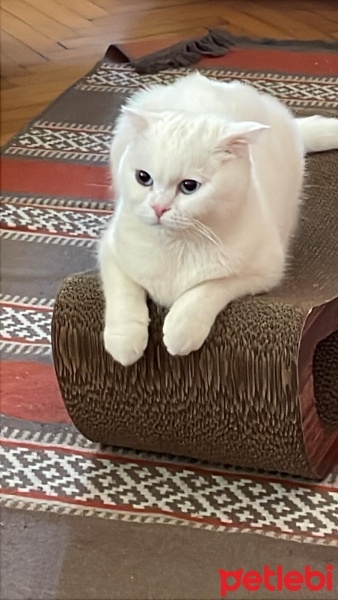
<point>139,119</point>
<point>240,135</point>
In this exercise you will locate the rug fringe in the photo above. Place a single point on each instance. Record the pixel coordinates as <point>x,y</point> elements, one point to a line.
<point>216,43</point>
<point>186,53</point>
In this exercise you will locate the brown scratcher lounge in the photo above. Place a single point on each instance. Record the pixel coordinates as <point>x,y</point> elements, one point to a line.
<point>263,390</point>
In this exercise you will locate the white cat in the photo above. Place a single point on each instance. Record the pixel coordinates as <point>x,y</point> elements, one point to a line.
<point>208,179</point>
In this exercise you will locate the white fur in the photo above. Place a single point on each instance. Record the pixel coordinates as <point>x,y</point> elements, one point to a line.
<point>229,238</point>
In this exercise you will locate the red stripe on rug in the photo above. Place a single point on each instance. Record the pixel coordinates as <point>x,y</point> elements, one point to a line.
<point>34,307</point>
<point>285,61</point>
<point>55,179</point>
<point>30,391</point>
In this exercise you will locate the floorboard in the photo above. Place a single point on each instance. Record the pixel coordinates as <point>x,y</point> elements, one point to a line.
<point>47,44</point>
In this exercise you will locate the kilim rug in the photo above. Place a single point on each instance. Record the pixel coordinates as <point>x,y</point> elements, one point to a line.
<point>84,522</point>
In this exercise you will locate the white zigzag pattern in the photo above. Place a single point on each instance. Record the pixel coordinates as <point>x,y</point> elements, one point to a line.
<point>6,298</point>
<point>25,323</point>
<point>241,500</point>
<point>46,239</point>
<point>73,439</point>
<point>294,90</point>
<point>14,348</point>
<point>76,126</point>
<point>66,155</point>
<point>81,205</point>
<point>44,137</point>
<point>52,221</point>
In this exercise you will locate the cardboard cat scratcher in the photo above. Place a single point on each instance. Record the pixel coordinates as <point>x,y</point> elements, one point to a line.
<point>263,390</point>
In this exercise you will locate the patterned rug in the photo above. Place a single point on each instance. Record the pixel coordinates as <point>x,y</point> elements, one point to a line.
<point>81,521</point>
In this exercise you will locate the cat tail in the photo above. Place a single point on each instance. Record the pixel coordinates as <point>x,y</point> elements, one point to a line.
<point>318,133</point>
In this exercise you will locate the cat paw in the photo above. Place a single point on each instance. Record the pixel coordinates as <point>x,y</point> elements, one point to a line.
<point>127,343</point>
<point>182,335</point>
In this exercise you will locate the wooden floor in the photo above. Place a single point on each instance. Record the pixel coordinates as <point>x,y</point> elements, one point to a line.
<point>47,44</point>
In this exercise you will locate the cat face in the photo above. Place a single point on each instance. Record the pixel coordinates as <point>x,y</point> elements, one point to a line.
<point>181,167</point>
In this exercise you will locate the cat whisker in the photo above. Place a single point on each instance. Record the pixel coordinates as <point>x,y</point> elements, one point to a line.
<point>208,234</point>
<point>190,225</point>
<point>198,228</point>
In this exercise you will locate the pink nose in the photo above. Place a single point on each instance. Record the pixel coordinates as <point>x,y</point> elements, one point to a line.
<point>160,210</point>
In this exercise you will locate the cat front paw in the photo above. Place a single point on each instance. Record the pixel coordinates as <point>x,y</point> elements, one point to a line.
<point>181,335</point>
<point>126,343</point>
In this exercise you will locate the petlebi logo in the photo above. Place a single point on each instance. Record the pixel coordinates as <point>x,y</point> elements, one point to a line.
<point>275,579</point>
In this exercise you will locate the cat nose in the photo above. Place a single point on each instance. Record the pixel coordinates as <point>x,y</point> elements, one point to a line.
<point>160,210</point>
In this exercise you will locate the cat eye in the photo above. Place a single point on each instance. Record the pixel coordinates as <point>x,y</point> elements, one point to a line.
<point>189,186</point>
<point>143,178</point>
